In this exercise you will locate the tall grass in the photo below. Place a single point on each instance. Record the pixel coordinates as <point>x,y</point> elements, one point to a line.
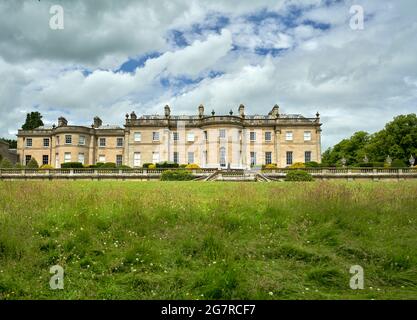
<point>190,240</point>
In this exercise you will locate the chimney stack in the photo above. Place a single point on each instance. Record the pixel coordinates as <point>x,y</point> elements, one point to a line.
<point>97,122</point>
<point>201,111</point>
<point>62,122</point>
<point>167,111</point>
<point>242,111</point>
<point>275,111</point>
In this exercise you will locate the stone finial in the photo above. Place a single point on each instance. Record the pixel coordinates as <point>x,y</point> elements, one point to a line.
<point>133,115</point>
<point>231,112</point>
<point>317,115</point>
<point>213,113</point>
<point>275,111</point>
<point>242,111</point>
<point>97,122</point>
<point>200,110</point>
<point>127,116</point>
<point>167,111</point>
<point>62,122</point>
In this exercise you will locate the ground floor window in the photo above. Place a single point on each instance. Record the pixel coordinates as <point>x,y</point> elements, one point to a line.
<point>176,158</point>
<point>222,156</point>
<point>102,158</point>
<point>136,159</point>
<point>119,160</point>
<point>27,159</point>
<point>190,157</point>
<point>268,157</point>
<point>81,158</point>
<point>67,157</point>
<point>289,158</point>
<point>307,156</point>
<point>45,159</point>
<point>253,158</point>
<point>155,157</point>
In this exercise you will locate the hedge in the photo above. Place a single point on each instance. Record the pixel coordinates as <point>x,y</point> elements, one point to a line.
<point>71,165</point>
<point>176,175</point>
<point>298,175</point>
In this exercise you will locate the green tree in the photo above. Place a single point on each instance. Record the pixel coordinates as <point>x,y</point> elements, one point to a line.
<point>6,164</point>
<point>33,121</point>
<point>12,143</point>
<point>351,149</point>
<point>32,164</point>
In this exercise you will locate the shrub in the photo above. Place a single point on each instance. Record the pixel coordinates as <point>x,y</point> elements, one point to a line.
<point>269,166</point>
<point>398,163</point>
<point>32,164</point>
<point>152,166</point>
<point>108,165</point>
<point>182,166</point>
<point>46,166</point>
<point>297,165</point>
<point>365,164</point>
<point>378,164</point>
<point>19,166</point>
<point>146,165</point>
<point>312,164</point>
<point>68,165</point>
<point>167,164</point>
<point>176,175</point>
<point>123,166</point>
<point>192,166</point>
<point>298,175</point>
<point>6,164</point>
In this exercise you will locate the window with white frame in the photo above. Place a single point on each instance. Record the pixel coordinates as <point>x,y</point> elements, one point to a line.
<point>68,139</point>
<point>119,160</point>
<point>45,159</point>
<point>102,142</point>
<point>222,156</point>
<point>120,142</point>
<point>176,157</point>
<point>307,135</point>
<point>155,157</point>
<point>81,158</point>
<point>252,136</point>
<point>252,158</point>
<point>288,136</point>
<point>67,157</point>
<point>81,140</point>
<point>136,159</point>
<point>190,137</point>
<point>268,157</point>
<point>29,142</point>
<point>268,136</point>
<point>190,157</point>
<point>46,142</point>
<point>222,133</point>
<point>155,136</point>
<point>137,136</point>
<point>289,158</point>
<point>102,158</point>
<point>307,156</point>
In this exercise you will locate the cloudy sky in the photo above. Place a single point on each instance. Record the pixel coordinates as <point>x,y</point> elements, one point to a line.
<point>113,57</point>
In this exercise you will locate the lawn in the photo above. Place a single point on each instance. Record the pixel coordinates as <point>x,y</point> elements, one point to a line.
<point>208,240</point>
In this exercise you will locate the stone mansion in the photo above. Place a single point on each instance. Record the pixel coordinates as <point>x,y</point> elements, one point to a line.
<point>209,140</point>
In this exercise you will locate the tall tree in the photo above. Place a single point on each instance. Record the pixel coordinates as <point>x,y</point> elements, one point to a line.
<point>33,120</point>
<point>12,143</point>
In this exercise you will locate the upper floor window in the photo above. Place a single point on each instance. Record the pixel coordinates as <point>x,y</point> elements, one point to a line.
<point>175,136</point>
<point>307,135</point>
<point>155,136</point>
<point>268,136</point>
<point>222,133</point>
<point>81,140</point>
<point>252,136</point>
<point>28,142</point>
<point>68,139</point>
<point>288,135</point>
<point>137,136</point>
<point>120,142</point>
<point>102,142</point>
<point>46,142</point>
<point>190,137</point>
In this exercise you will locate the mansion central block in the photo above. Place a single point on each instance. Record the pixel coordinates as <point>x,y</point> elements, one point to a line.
<point>209,140</point>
